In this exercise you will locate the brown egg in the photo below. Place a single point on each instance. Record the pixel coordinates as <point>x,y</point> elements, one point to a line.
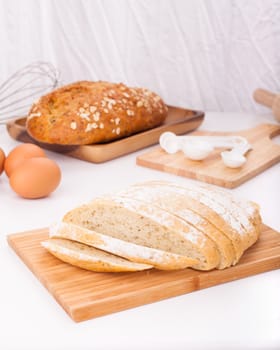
<point>2,160</point>
<point>35,178</point>
<point>19,154</point>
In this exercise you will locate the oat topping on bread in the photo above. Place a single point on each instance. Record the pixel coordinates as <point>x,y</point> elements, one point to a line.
<point>88,112</point>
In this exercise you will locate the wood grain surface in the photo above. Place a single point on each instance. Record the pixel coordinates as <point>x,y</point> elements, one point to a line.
<point>179,121</point>
<point>85,295</point>
<point>264,154</point>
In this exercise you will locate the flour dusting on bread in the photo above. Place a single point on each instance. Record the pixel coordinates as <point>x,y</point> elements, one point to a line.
<point>160,224</point>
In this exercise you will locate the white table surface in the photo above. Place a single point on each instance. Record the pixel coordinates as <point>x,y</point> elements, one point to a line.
<point>243,314</point>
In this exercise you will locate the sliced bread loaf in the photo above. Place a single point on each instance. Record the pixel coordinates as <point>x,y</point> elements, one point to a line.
<point>221,211</point>
<point>157,224</point>
<point>160,259</point>
<point>144,224</point>
<point>178,204</point>
<point>89,258</point>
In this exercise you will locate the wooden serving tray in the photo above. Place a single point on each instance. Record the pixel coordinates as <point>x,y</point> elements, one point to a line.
<point>179,121</point>
<point>264,154</point>
<point>85,295</point>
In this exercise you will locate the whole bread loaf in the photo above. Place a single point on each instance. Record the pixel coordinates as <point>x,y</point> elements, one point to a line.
<point>166,225</point>
<point>88,112</point>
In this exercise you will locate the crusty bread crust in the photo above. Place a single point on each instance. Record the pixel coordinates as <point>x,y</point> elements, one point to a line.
<point>87,112</point>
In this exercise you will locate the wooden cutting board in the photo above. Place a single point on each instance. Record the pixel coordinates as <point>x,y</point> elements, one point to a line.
<point>84,294</point>
<point>264,154</point>
<point>179,121</point>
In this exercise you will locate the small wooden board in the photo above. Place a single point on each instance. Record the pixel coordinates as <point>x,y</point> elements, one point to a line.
<point>264,154</point>
<point>179,121</point>
<point>84,294</point>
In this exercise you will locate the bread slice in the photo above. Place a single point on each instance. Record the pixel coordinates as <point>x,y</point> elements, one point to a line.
<point>143,224</point>
<point>159,259</point>
<point>177,204</point>
<point>89,258</point>
<point>220,211</point>
<point>240,218</point>
<point>249,208</point>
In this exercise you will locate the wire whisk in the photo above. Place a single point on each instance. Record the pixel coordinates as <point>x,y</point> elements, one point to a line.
<point>24,87</point>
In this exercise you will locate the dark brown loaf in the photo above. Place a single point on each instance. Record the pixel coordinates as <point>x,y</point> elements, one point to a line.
<point>88,112</point>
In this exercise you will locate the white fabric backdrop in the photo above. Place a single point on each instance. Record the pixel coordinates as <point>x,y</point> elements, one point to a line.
<point>202,54</point>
